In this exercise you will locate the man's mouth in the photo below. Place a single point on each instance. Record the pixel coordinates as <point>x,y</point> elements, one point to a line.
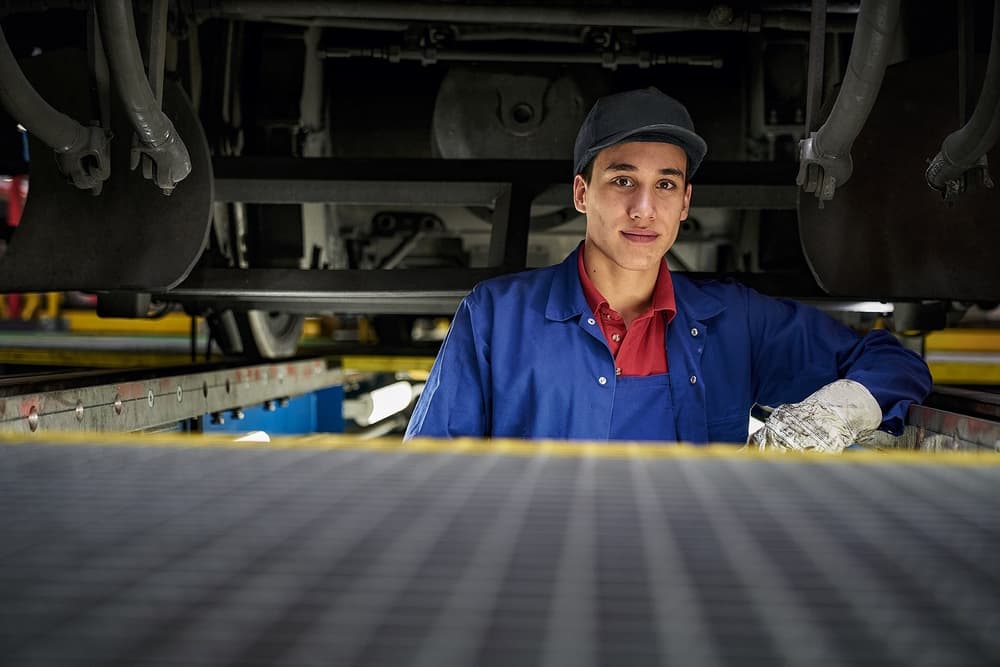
<point>639,236</point>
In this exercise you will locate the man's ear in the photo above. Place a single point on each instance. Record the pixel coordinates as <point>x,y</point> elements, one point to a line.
<point>687,202</point>
<point>580,194</point>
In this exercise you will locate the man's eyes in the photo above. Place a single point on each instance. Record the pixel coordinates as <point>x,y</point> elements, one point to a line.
<point>626,182</point>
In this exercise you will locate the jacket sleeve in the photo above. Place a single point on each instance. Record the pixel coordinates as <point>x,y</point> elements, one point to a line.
<point>456,399</point>
<point>796,349</point>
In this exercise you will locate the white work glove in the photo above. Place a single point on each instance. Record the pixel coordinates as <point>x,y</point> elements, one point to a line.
<point>828,420</point>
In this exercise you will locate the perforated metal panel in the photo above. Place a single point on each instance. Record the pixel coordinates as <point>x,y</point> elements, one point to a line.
<point>136,555</point>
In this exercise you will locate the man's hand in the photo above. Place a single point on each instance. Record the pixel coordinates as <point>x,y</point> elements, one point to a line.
<point>828,420</point>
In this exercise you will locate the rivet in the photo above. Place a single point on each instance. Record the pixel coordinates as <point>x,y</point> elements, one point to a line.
<point>118,404</point>
<point>79,411</point>
<point>180,394</point>
<point>33,419</point>
<point>602,380</point>
<point>150,398</point>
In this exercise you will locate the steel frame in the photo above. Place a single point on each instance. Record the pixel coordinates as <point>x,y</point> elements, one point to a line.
<point>146,399</point>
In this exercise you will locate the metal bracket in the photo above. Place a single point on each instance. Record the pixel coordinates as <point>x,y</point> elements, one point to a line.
<point>820,174</point>
<point>511,222</point>
<point>975,176</point>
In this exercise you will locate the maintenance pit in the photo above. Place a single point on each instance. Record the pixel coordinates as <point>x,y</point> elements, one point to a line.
<point>232,235</point>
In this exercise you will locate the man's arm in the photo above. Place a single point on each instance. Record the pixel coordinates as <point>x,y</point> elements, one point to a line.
<point>827,378</point>
<point>457,396</point>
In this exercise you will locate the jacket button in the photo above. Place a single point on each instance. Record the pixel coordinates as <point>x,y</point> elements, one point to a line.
<point>694,331</point>
<point>693,379</point>
<point>591,321</point>
<point>602,380</point>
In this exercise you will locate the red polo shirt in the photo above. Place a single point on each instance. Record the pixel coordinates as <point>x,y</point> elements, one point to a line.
<point>641,348</point>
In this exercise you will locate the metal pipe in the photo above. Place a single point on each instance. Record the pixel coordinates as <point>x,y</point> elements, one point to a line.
<point>164,156</point>
<point>865,69</point>
<point>964,149</point>
<point>825,156</point>
<point>607,59</point>
<point>157,48</point>
<point>101,75</point>
<point>125,60</point>
<point>402,250</point>
<point>54,128</point>
<point>817,49</point>
<point>81,152</point>
<point>549,35</point>
<point>802,22</point>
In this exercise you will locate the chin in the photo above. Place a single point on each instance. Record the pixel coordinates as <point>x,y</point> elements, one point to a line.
<point>645,262</point>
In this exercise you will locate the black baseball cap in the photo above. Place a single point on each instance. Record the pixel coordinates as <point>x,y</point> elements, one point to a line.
<point>637,115</point>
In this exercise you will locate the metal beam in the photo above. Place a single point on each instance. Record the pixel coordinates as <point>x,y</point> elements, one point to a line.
<point>430,182</point>
<point>410,291</point>
<point>435,291</point>
<point>716,18</point>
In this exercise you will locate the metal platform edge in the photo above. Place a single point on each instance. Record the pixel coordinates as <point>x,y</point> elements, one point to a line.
<point>162,399</point>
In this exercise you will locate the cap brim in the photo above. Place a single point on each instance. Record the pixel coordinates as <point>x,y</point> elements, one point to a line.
<point>693,145</point>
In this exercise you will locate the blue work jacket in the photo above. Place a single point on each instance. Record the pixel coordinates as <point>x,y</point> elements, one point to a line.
<point>525,358</point>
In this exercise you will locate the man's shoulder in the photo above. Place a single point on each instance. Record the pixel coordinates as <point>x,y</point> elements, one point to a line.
<point>522,283</point>
<point>721,288</point>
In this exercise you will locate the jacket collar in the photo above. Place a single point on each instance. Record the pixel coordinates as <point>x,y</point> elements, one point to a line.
<point>566,298</point>
<point>696,302</point>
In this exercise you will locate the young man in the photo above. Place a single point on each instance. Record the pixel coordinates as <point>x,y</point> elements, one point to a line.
<point>610,345</point>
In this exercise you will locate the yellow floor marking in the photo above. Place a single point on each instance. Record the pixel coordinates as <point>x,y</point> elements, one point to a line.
<point>509,447</point>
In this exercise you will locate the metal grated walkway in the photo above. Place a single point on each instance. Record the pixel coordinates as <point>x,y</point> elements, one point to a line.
<point>314,555</point>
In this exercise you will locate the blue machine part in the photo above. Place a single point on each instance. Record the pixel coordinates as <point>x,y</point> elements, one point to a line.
<point>317,412</point>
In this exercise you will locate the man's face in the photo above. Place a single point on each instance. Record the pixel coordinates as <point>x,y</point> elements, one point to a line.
<point>634,203</point>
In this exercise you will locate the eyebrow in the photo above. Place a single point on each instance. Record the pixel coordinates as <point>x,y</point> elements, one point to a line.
<point>625,166</point>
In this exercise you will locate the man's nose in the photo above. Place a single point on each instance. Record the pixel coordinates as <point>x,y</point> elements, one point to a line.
<point>642,205</point>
